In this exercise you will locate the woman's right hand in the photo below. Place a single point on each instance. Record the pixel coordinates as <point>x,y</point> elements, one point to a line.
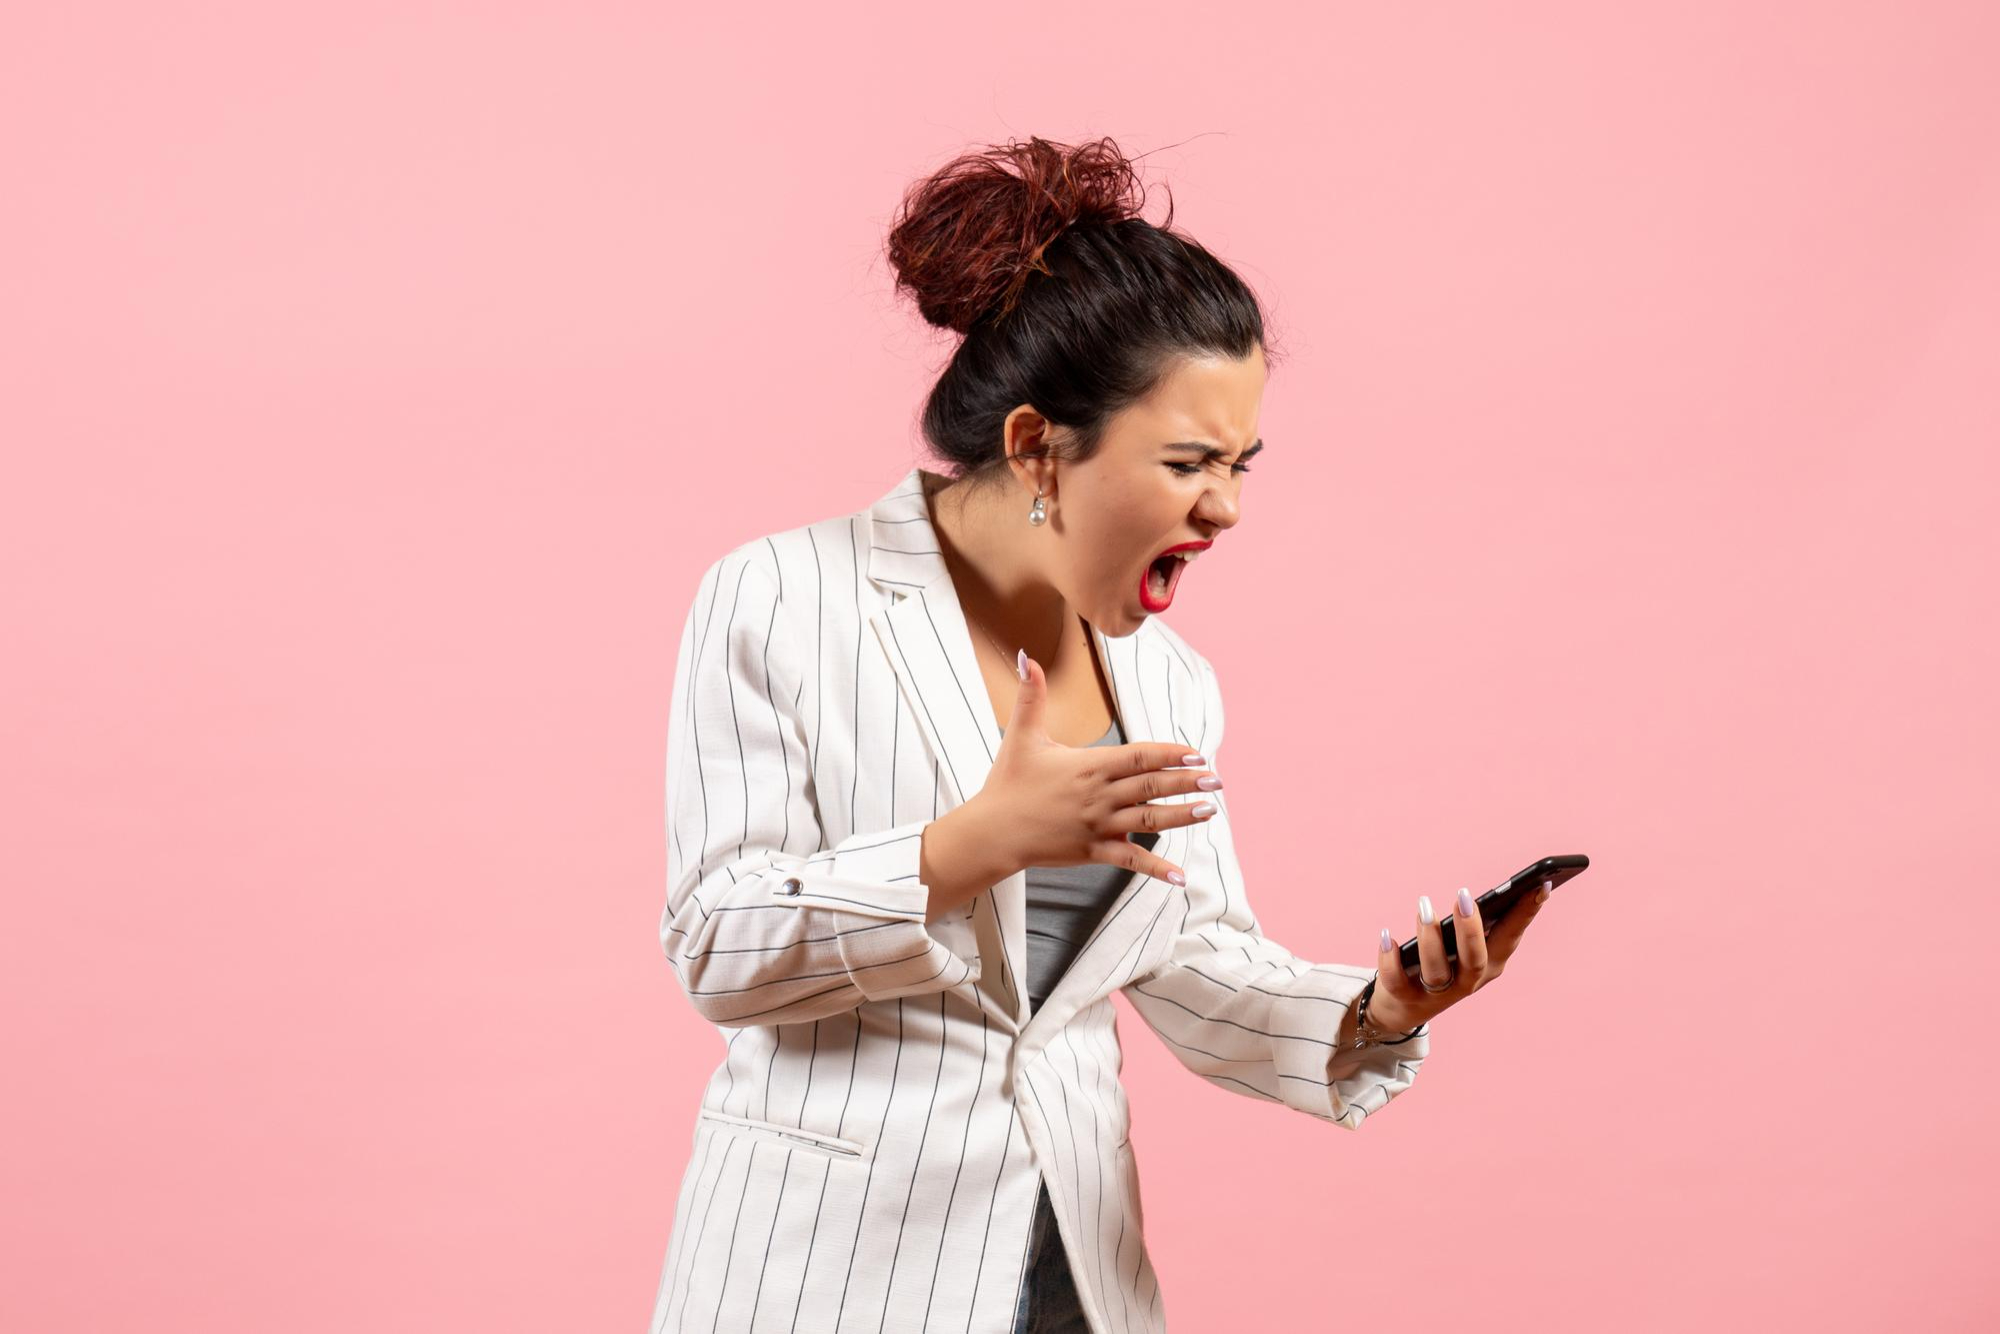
<point>1048,804</point>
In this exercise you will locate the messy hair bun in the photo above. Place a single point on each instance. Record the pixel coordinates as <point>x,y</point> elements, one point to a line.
<point>1068,300</point>
<point>971,236</point>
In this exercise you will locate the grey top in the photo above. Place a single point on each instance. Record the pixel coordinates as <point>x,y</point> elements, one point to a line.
<point>1065,904</point>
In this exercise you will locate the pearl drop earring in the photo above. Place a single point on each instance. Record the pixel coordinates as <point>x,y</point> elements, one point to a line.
<point>1038,515</point>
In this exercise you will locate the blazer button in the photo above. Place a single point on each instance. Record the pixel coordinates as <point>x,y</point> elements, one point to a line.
<point>793,884</point>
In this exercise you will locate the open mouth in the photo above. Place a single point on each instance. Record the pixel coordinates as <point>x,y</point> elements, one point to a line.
<point>1163,575</point>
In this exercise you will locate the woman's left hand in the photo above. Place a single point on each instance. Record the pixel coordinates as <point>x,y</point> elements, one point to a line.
<point>1400,1005</point>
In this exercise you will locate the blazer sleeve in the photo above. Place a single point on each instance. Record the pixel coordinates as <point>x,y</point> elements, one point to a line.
<point>1244,1012</point>
<point>764,925</point>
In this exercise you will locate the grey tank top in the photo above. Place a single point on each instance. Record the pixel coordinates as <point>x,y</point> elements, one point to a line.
<point>1065,904</point>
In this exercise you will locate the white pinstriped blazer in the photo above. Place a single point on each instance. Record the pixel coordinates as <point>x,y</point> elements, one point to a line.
<point>868,1154</point>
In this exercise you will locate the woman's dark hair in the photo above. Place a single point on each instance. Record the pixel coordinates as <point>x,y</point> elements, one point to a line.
<point>1067,298</point>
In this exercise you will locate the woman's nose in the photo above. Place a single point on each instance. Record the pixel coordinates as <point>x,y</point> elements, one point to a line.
<point>1220,510</point>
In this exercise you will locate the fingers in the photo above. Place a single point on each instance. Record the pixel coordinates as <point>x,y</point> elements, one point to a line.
<point>1151,770</point>
<point>1143,772</point>
<point>1468,935</point>
<point>1129,854</point>
<point>1520,915</point>
<point>1389,974</point>
<point>1143,757</point>
<point>1161,780</point>
<point>1151,817</point>
<point>1030,697</point>
<point>1480,954</point>
<point>1432,961</point>
<point>1507,935</point>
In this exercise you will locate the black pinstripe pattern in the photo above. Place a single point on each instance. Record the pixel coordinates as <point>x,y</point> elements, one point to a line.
<point>896,1104</point>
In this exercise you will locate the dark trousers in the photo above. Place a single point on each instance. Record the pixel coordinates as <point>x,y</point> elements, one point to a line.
<point>1048,1303</point>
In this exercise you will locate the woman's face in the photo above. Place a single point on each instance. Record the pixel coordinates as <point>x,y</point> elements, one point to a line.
<point>1150,487</point>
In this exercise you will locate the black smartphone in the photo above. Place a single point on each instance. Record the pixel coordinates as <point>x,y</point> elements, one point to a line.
<point>1493,905</point>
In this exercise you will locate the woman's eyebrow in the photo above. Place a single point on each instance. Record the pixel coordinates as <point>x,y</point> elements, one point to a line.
<point>1209,452</point>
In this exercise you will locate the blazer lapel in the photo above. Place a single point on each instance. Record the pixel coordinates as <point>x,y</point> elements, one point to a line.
<point>1137,669</point>
<point>927,641</point>
<point>926,638</point>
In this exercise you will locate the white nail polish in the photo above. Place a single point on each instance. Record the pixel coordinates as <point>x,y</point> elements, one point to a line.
<point>1388,941</point>
<point>1424,909</point>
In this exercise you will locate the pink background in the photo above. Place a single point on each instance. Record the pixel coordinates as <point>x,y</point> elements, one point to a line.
<point>378,378</point>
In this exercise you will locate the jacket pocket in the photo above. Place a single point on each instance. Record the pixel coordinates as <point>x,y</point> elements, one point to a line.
<point>793,1136</point>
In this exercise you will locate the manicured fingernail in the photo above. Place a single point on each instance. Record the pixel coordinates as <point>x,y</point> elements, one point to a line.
<point>1204,809</point>
<point>1542,894</point>
<point>1208,782</point>
<point>1465,908</point>
<point>1388,941</point>
<point>1424,909</point>
<point>1194,759</point>
<point>1021,662</point>
<point>1177,877</point>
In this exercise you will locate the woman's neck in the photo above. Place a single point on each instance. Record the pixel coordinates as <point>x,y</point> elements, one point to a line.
<point>985,539</point>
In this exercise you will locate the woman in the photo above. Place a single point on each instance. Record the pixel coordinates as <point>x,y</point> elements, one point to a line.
<point>940,781</point>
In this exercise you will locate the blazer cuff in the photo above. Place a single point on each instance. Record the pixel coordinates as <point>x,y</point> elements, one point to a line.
<point>878,874</point>
<point>1315,1076</point>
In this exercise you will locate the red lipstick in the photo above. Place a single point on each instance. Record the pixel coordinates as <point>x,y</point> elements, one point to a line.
<point>1156,594</point>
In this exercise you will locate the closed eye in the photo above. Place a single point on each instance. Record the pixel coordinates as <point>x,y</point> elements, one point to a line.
<point>1190,469</point>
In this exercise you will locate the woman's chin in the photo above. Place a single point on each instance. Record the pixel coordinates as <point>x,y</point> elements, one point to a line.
<point>1119,616</point>
<point>1123,620</point>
